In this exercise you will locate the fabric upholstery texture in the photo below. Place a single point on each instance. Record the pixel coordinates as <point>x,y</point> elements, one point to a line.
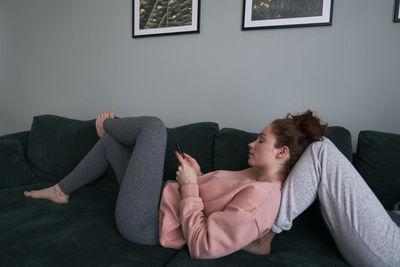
<point>377,160</point>
<point>14,170</point>
<point>57,144</point>
<point>231,149</point>
<point>38,232</point>
<point>22,137</point>
<point>231,146</point>
<point>197,140</point>
<point>83,232</point>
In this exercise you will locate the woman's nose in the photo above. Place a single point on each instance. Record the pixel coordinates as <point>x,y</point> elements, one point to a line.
<point>251,144</point>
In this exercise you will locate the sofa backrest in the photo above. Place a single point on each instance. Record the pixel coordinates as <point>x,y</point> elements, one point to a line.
<point>378,161</point>
<point>197,140</point>
<point>231,146</point>
<point>57,144</point>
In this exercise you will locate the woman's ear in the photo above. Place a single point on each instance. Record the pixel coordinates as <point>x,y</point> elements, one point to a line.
<point>283,153</point>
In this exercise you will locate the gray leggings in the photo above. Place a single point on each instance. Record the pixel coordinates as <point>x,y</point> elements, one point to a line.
<point>361,227</point>
<point>135,148</point>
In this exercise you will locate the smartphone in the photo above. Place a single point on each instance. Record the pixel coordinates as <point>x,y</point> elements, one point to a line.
<point>180,150</point>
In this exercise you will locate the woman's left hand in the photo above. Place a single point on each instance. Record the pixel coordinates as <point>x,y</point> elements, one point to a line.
<point>185,173</point>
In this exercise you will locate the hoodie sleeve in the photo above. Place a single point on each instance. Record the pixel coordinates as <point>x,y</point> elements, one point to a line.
<point>222,232</point>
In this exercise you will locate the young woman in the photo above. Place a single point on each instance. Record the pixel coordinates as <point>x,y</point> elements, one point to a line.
<point>215,214</point>
<point>364,232</point>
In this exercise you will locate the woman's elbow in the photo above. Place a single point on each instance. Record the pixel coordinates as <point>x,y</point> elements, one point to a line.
<point>205,254</point>
<point>202,256</point>
<point>197,254</point>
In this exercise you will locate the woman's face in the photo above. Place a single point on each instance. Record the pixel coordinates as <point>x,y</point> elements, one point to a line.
<point>262,151</point>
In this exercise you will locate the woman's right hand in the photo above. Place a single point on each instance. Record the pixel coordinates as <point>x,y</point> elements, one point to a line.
<point>192,162</point>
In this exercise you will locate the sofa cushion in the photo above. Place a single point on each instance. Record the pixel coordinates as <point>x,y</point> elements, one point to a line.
<point>308,243</point>
<point>57,144</point>
<point>231,146</point>
<point>13,167</point>
<point>37,232</point>
<point>197,140</point>
<point>377,160</point>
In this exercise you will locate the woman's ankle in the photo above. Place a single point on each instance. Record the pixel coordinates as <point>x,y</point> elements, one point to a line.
<point>60,191</point>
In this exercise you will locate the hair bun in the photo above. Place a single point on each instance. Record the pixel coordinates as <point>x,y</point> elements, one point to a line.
<point>311,125</point>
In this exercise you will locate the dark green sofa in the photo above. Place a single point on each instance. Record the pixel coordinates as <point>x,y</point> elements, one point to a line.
<point>83,232</point>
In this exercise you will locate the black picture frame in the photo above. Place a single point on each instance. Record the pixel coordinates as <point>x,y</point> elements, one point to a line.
<point>397,11</point>
<point>188,11</point>
<point>265,14</point>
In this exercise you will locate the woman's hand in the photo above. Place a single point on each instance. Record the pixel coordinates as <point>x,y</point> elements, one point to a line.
<point>185,173</point>
<point>261,246</point>
<point>192,162</point>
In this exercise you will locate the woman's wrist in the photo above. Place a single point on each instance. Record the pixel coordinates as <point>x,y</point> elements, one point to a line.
<point>189,190</point>
<point>186,183</point>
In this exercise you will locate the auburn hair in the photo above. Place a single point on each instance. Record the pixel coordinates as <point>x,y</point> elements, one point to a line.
<point>297,132</point>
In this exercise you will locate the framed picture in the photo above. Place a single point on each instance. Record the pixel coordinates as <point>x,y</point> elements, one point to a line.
<point>261,14</point>
<point>397,11</point>
<point>163,17</point>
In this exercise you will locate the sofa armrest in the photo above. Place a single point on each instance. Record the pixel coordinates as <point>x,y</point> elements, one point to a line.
<point>14,170</point>
<point>22,137</point>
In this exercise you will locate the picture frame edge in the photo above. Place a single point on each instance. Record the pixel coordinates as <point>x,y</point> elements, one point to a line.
<point>318,24</point>
<point>169,33</point>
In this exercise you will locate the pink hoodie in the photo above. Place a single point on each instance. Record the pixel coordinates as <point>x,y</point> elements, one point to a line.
<point>221,214</point>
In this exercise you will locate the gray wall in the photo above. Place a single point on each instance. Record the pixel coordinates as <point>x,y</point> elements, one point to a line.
<point>76,58</point>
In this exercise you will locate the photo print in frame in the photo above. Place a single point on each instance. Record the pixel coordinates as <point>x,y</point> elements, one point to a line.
<point>165,17</point>
<point>262,14</point>
<point>397,11</point>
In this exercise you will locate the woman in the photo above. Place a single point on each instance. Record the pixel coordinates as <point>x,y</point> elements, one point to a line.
<point>214,214</point>
<point>364,232</point>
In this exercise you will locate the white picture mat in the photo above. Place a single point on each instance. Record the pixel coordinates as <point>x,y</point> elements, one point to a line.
<point>324,18</point>
<point>398,11</point>
<point>188,28</point>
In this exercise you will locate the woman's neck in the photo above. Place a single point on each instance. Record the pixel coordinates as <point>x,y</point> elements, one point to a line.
<point>268,175</point>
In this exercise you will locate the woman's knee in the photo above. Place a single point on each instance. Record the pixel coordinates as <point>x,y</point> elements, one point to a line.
<point>325,144</point>
<point>154,123</point>
<point>136,230</point>
<point>154,126</point>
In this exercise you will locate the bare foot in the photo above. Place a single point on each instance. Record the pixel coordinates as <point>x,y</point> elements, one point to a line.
<point>53,194</point>
<point>261,246</point>
<point>100,119</point>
